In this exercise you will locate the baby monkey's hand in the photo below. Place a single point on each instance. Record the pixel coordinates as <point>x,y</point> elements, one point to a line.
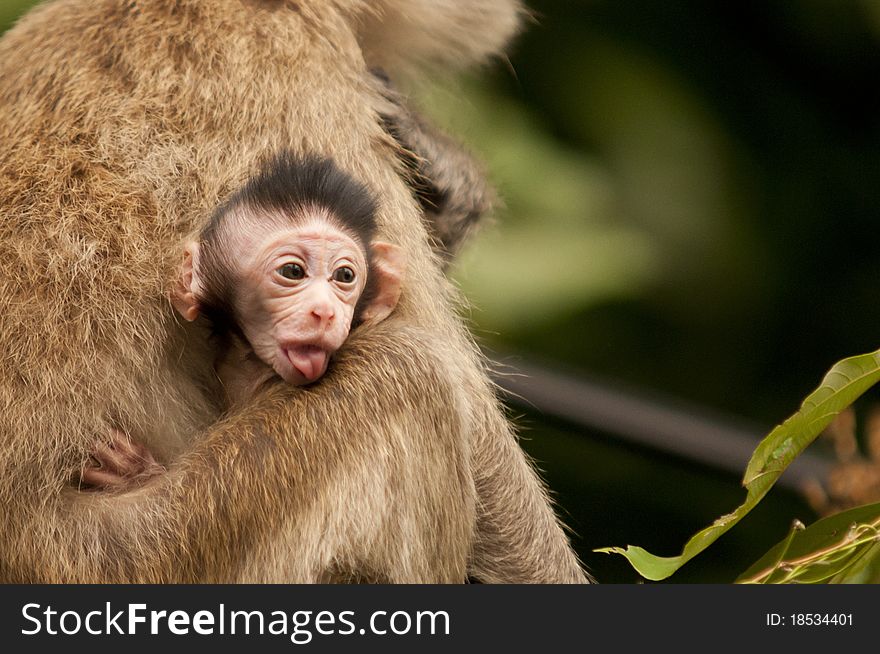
<point>120,464</point>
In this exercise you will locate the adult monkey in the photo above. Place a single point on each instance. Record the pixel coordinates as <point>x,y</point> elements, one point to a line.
<point>122,123</point>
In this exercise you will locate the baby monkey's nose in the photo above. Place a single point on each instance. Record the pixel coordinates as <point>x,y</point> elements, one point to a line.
<point>323,312</point>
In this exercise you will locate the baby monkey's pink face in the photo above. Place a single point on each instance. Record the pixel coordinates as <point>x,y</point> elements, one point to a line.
<point>297,287</point>
<point>298,292</point>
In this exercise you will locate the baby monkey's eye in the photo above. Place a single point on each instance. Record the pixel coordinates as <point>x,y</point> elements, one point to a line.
<point>343,274</point>
<point>292,271</point>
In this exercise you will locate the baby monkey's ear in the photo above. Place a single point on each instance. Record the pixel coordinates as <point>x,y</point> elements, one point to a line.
<point>389,265</point>
<point>183,293</point>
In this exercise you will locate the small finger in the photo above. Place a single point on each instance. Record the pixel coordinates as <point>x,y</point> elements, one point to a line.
<point>143,454</point>
<point>109,458</point>
<point>101,479</point>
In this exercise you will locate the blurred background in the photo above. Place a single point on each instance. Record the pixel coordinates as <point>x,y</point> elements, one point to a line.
<point>688,244</point>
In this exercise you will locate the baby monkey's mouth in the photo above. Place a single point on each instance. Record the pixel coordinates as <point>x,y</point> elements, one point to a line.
<point>310,361</point>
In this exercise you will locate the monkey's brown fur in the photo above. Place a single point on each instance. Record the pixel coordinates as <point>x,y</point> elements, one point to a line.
<point>122,124</point>
<point>449,183</point>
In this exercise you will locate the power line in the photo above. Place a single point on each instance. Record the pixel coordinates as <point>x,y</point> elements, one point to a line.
<point>690,432</point>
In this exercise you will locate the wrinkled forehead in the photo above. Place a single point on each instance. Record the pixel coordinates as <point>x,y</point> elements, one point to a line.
<point>247,231</point>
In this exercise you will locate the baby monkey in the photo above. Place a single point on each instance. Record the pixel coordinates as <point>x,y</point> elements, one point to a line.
<point>285,268</point>
<point>283,271</point>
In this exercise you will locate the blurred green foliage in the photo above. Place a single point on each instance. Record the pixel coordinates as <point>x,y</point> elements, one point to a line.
<point>692,191</point>
<point>10,10</point>
<point>716,166</point>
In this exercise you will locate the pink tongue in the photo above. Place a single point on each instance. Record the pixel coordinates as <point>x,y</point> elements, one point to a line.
<point>309,360</point>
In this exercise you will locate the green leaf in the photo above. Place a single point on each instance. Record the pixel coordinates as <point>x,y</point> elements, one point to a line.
<point>865,570</point>
<point>837,546</point>
<point>842,385</point>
